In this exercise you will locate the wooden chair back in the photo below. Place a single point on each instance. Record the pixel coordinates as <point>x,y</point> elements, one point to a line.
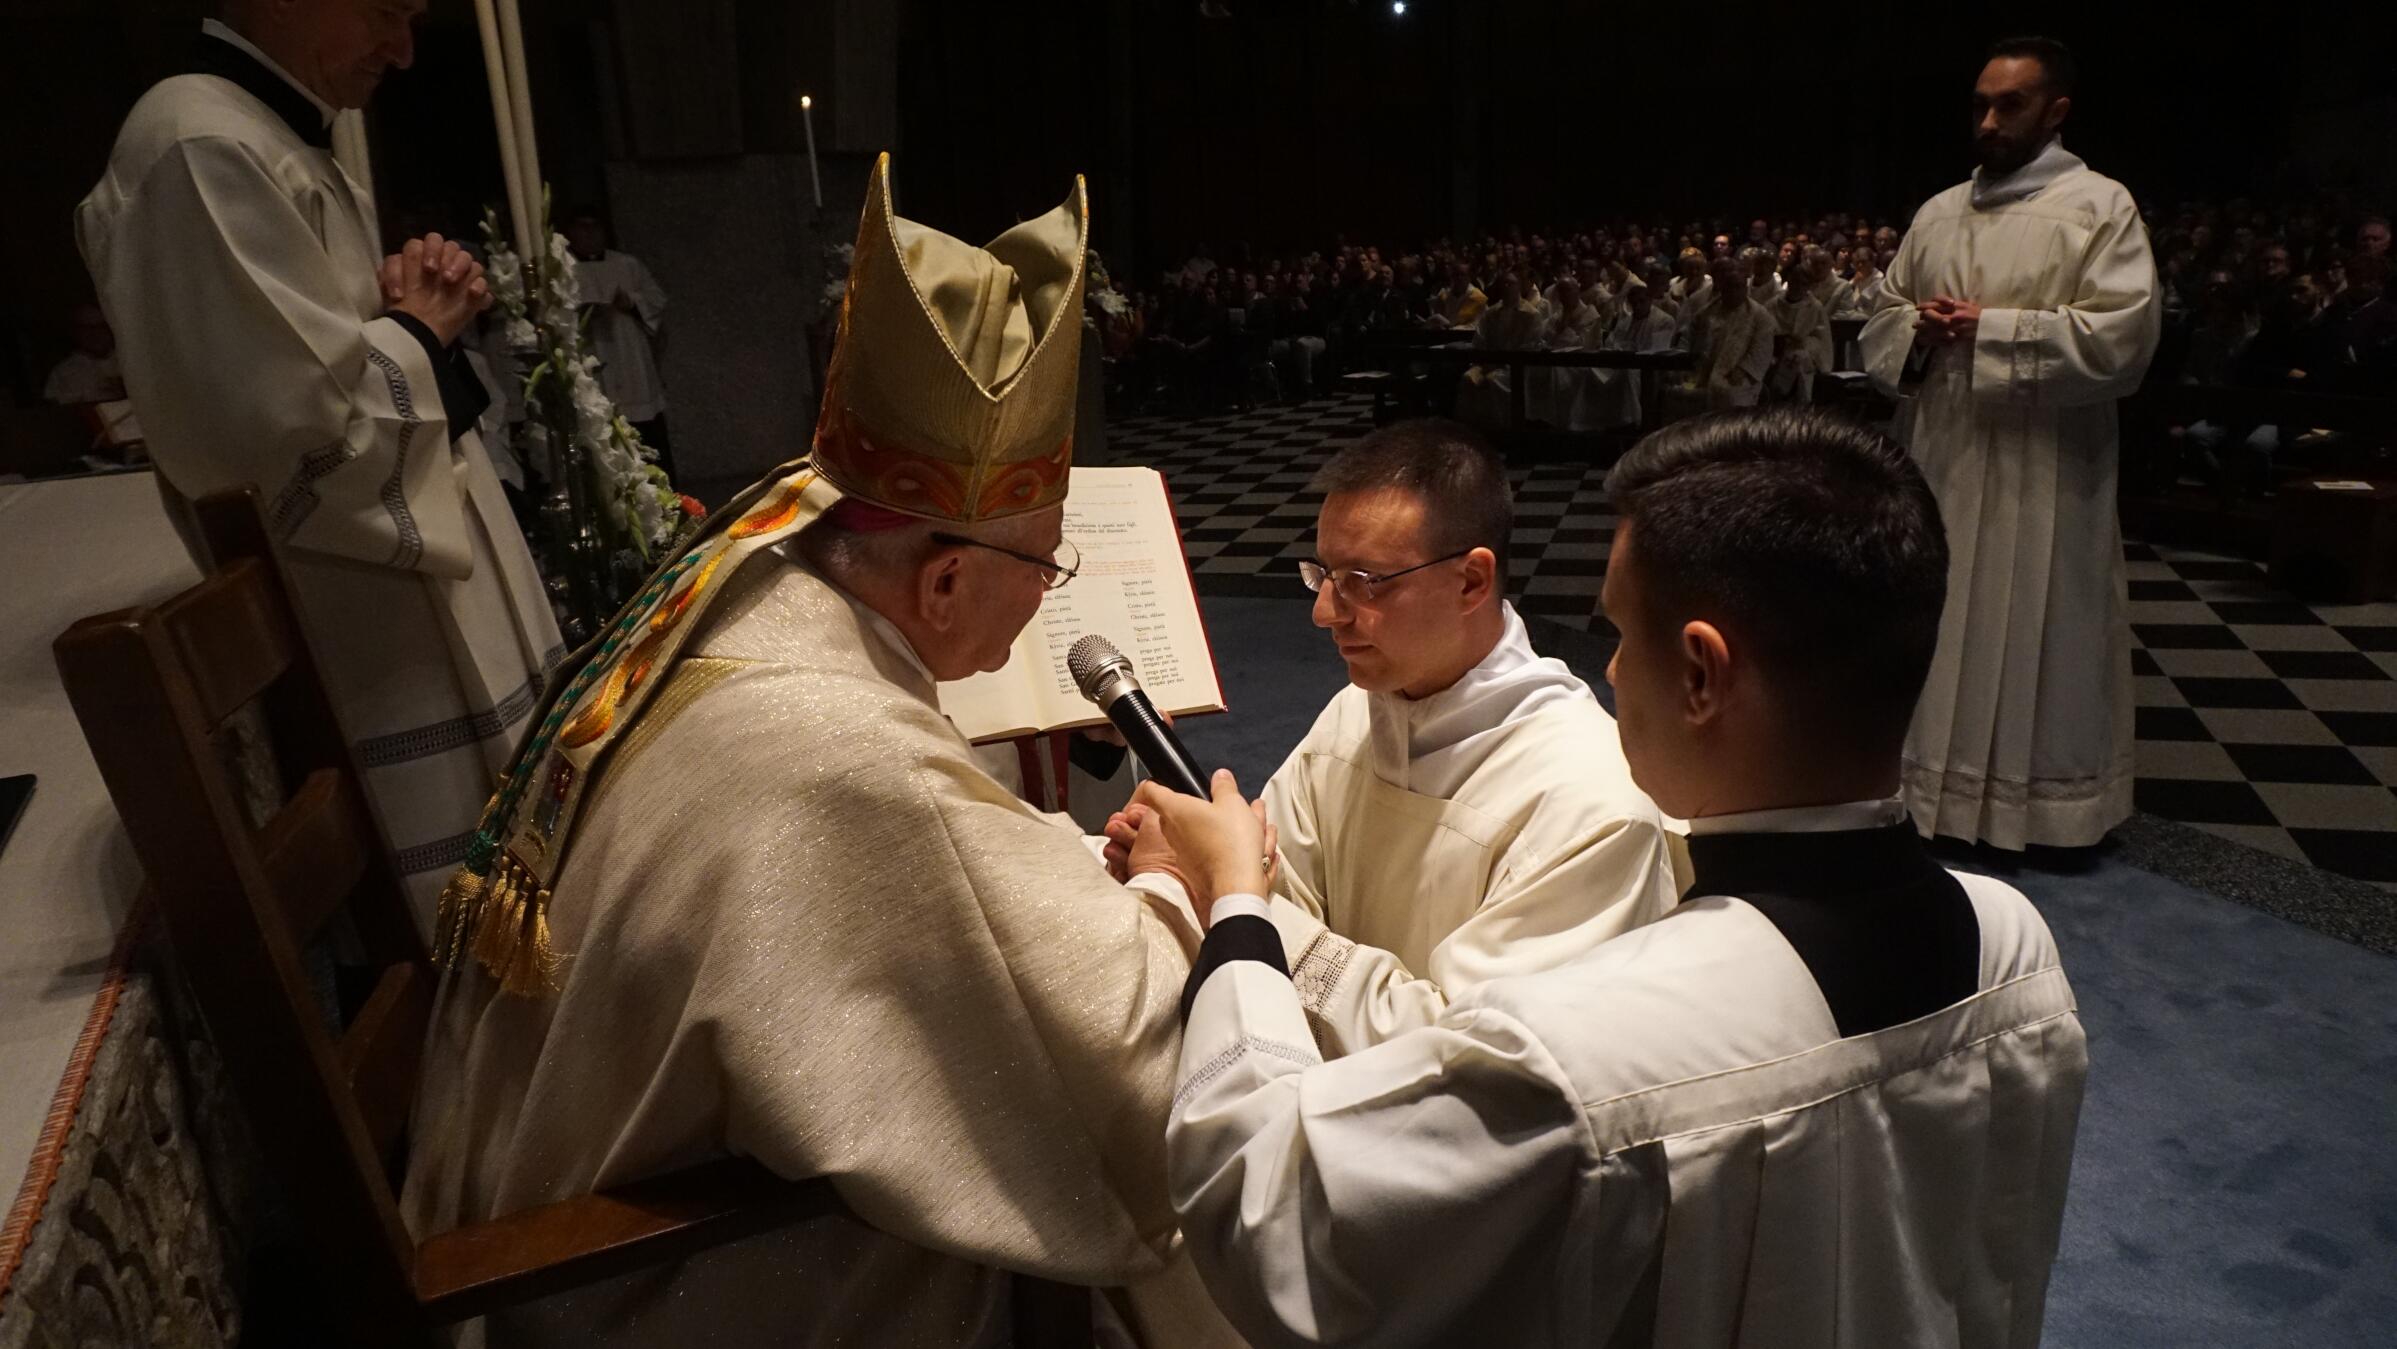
<point>157,692</point>
<point>242,900</point>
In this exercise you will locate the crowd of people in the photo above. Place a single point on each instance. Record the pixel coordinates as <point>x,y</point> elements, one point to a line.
<point>2294,299</point>
<point>1211,334</point>
<point>2292,295</point>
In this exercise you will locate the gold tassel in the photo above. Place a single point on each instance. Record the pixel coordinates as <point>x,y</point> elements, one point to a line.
<point>545,956</point>
<point>532,966</point>
<point>458,904</point>
<point>495,927</point>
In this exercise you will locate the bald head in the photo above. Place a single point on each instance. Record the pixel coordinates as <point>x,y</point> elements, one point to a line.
<point>959,593</point>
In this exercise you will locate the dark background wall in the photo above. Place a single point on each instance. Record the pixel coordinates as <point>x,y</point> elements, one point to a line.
<point>1287,122</point>
<point>1281,123</point>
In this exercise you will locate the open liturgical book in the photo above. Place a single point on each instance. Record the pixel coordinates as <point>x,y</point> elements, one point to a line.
<point>1133,589</point>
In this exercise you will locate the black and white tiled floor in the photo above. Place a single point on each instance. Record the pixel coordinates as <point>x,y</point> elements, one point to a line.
<point>2262,720</point>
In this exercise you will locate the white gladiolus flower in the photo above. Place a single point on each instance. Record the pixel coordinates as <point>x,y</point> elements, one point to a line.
<point>591,406</point>
<point>649,510</point>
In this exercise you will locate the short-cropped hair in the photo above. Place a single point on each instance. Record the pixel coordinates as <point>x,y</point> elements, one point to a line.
<point>1812,541</point>
<point>1446,465</point>
<point>2058,72</point>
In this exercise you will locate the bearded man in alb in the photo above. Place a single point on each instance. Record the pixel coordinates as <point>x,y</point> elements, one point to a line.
<point>2022,305</point>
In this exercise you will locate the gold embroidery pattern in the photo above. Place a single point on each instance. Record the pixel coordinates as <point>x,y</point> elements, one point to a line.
<point>785,508</point>
<point>600,713</point>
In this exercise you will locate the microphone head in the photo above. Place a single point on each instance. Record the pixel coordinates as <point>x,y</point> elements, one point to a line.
<point>1090,659</point>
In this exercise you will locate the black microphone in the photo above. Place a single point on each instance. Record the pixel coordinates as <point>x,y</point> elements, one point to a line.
<point>1105,677</point>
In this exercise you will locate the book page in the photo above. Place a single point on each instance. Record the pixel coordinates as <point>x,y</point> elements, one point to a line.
<point>1133,589</point>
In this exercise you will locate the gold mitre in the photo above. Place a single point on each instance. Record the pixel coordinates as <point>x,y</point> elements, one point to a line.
<point>951,393</point>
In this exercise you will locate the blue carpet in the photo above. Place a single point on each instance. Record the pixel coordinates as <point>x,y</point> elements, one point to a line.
<point>2233,1184</point>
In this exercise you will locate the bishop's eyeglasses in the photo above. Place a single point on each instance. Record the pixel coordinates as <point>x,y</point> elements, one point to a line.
<point>1054,571</point>
<point>1360,587</point>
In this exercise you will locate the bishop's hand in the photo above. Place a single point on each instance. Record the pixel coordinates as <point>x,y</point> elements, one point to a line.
<point>1220,846</point>
<point>1134,847</point>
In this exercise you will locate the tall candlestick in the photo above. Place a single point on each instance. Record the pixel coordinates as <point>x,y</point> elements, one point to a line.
<point>520,98</point>
<point>807,118</point>
<point>495,71</point>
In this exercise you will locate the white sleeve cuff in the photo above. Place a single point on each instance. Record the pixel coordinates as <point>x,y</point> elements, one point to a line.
<point>1233,905</point>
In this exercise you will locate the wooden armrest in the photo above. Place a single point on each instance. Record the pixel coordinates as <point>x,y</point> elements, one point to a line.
<point>528,1255</point>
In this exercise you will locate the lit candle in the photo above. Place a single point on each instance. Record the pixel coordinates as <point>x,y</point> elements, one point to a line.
<point>807,118</point>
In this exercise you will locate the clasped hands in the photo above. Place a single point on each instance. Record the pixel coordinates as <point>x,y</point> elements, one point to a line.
<point>1216,847</point>
<point>1945,321</point>
<point>436,282</point>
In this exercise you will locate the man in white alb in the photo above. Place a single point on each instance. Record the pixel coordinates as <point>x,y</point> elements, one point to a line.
<point>1462,810</point>
<point>627,309</point>
<point>2022,305</point>
<point>1827,1103</point>
<point>1731,341</point>
<point>267,341</point>
<point>1611,398</point>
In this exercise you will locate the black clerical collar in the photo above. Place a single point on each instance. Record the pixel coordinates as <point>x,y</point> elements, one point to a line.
<point>215,56</point>
<point>1839,862</point>
<point>1884,931</point>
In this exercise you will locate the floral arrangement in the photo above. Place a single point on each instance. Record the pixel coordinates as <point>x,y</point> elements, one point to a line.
<point>573,429</point>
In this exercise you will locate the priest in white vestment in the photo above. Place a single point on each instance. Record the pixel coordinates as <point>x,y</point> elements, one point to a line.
<point>1576,322</point>
<point>1731,340</point>
<point>1611,398</point>
<point>1763,268</point>
<point>2021,306</point>
<point>1802,346</point>
<point>1859,296</point>
<point>747,892</point>
<point>1822,276</point>
<point>1693,290</point>
<point>627,317</point>
<point>1828,1102</point>
<point>242,271</point>
<point>1461,810</point>
<point>1512,322</point>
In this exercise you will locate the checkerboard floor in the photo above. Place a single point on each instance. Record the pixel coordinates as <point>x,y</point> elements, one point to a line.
<point>2266,721</point>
